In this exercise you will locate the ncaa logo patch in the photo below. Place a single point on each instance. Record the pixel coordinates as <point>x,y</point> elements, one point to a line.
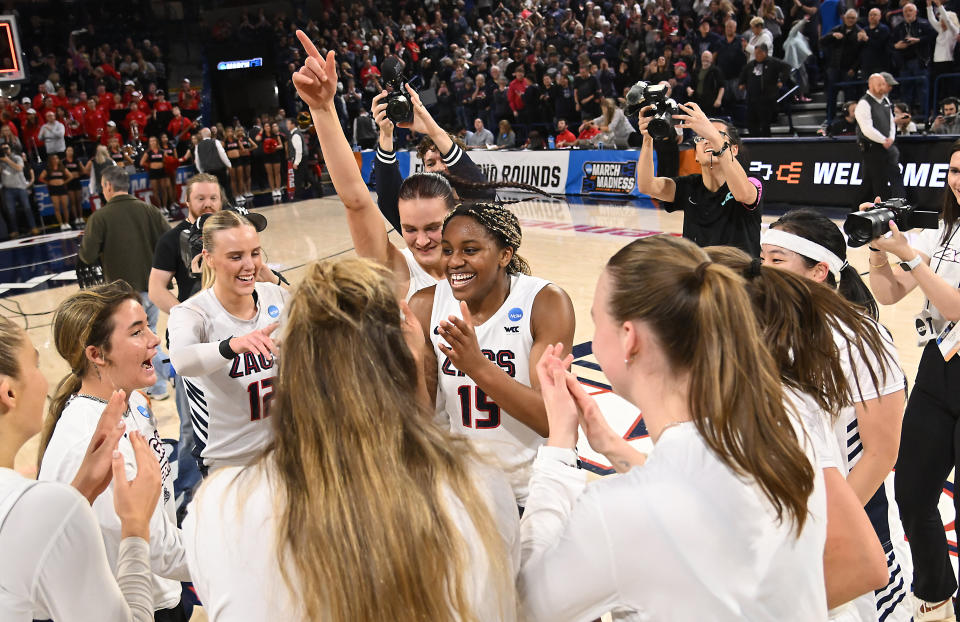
<point>143,411</point>
<point>515,314</point>
<point>273,311</point>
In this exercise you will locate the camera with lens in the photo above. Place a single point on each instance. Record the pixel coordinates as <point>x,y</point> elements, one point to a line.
<point>399,106</point>
<point>861,227</point>
<point>643,94</point>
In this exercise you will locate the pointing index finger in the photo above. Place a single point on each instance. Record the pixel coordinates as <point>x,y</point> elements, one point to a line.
<point>308,45</point>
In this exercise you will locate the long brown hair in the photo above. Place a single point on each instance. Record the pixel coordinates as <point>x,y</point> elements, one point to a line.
<point>950,211</point>
<point>84,319</point>
<point>701,315</point>
<point>362,473</point>
<point>799,318</point>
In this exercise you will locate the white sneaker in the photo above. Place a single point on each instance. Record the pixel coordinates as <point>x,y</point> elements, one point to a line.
<point>64,227</point>
<point>934,612</point>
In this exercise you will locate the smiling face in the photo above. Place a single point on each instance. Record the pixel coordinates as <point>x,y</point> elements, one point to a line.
<point>473,261</point>
<point>421,222</point>
<point>791,261</point>
<point>131,349</point>
<point>953,175</point>
<point>236,258</point>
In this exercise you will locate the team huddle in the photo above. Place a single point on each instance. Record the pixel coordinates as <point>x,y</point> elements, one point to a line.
<point>394,437</point>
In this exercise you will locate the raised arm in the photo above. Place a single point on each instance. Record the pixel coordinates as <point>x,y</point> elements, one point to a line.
<point>662,188</point>
<point>316,83</point>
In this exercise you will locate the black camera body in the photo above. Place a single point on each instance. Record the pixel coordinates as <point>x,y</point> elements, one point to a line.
<point>861,227</point>
<point>399,106</point>
<point>643,94</point>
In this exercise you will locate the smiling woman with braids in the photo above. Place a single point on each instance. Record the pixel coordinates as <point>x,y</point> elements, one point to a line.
<point>417,211</point>
<point>487,325</point>
<point>361,508</point>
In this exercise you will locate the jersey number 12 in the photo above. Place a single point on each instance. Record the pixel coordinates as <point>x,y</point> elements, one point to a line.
<point>260,393</point>
<point>472,397</point>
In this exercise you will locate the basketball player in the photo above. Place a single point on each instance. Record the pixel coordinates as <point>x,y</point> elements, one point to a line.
<point>103,336</point>
<point>669,325</point>
<point>357,483</point>
<point>868,430</point>
<point>48,533</point>
<point>795,314</point>
<point>487,324</point>
<point>220,344</point>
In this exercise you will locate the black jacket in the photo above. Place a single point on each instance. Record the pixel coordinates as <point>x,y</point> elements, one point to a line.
<point>761,79</point>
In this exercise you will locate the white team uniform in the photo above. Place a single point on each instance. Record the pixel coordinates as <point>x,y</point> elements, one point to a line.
<point>240,583</point>
<point>49,538</point>
<point>419,278</point>
<point>712,547</point>
<point>229,398</point>
<point>892,603</point>
<point>505,338</point>
<point>62,459</point>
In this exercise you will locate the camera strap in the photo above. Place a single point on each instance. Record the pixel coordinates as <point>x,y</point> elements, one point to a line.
<point>805,247</point>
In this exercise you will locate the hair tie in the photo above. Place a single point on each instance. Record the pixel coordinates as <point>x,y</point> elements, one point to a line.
<point>700,272</point>
<point>753,270</point>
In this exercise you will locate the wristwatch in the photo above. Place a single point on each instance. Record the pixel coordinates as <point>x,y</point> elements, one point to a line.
<point>907,266</point>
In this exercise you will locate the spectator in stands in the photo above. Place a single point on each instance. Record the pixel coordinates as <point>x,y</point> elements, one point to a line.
<point>844,125</point>
<point>506,138</point>
<point>730,59</point>
<point>903,119</point>
<point>179,129</point>
<point>516,90</point>
<point>588,134</point>
<point>703,39</point>
<point>947,122</point>
<point>707,87</point>
<point>586,93</point>
<point>364,130</point>
<point>480,137</point>
<point>614,127</point>
<point>564,138</point>
<point>532,112</point>
<point>772,18</point>
<point>912,39</point>
<point>759,35</point>
<point>948,32</point>
<point>842,46</point>
<point>875,53</point>
<point>15,186</point>
<point>762,79</point>
<point>52,134</point>
<point>564,99</point>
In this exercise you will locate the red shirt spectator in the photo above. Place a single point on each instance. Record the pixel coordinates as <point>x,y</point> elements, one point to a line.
<point>179,127</point>
<point>110,71</point>
<point>110,132</point>
<point>137,115</point>
<point>37,103</point>
<point>162,105</point>
<point>94,121</point>
<point>565,138</point>
<point>368,71</point>
<point>188,98</point>
<point>516,89</point>
<point>589,131</point>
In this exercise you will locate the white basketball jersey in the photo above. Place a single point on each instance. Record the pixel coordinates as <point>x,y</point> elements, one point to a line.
<point>419,278</point>
<point>505,338</point>
<point>229,407</point>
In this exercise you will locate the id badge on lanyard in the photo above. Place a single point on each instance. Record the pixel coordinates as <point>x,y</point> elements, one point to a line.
<point>949,341</point>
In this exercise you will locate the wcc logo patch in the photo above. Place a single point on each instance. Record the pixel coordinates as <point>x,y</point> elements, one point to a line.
<point>609,177</point>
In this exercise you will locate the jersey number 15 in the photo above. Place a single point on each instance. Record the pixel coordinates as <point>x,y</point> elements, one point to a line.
<point>260,393</point>
<point>473,398</point>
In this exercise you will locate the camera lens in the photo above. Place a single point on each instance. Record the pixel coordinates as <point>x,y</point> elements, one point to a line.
<point>399,109</point>
<point>861,227</point>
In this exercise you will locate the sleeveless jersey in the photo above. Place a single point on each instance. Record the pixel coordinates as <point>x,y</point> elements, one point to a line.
<point>891,603</point>
<point>419,278</point>
<point>73,166</point>
<point>155,157</point>
<point>229,407</point>
<point>505,338</point>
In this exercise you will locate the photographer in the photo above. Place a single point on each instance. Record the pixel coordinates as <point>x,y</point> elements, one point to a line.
<point>440,154</point>
<point>928,448</point>
<point>721,205</point>
<point>947,122</point>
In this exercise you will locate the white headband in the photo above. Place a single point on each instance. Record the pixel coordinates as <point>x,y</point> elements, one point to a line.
<point>803,246</point>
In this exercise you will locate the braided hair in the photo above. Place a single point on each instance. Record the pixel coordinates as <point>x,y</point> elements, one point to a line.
<point>501,223</point>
